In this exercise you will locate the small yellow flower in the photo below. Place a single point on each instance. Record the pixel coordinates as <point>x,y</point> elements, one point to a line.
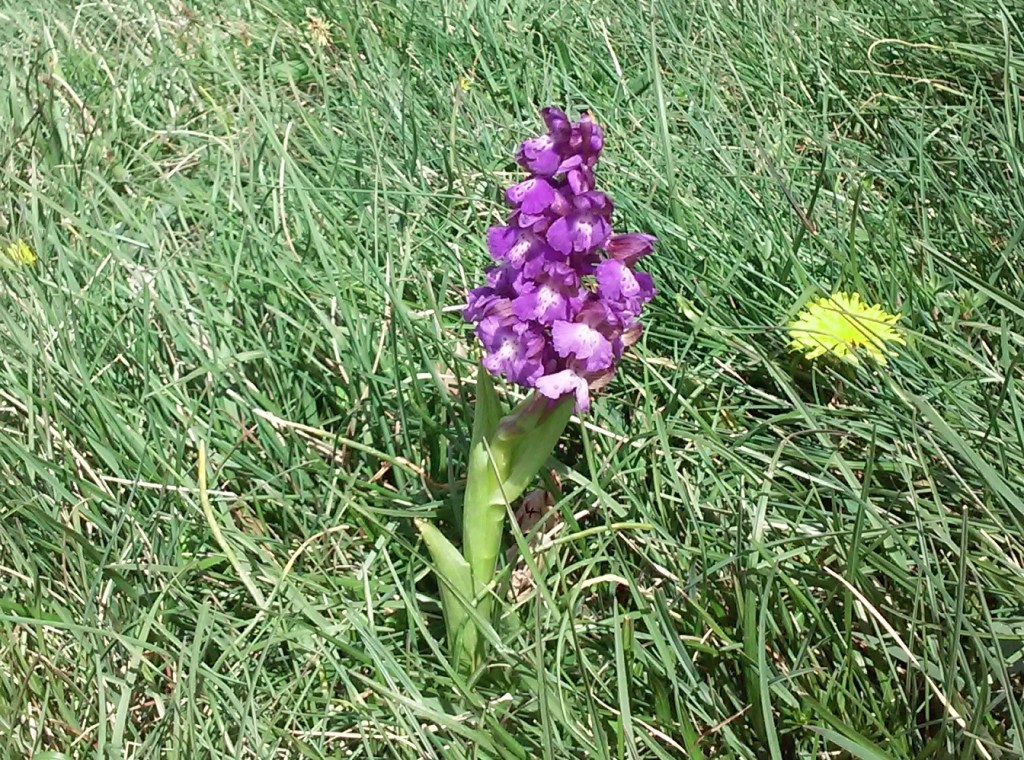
<point>21,253</point>
<point>318,29</point>
<point>843,325</point>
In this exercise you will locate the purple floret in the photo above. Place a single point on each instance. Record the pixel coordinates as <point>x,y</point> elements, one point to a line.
<point>563,301</point>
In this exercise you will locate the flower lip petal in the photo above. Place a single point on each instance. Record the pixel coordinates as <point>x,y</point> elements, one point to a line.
<point>591,232</point>
<point>616,280</point>
<point>580,180</point>
<point>546,303</point>
<point>647,289</point>
<point>583,342</point>
<point>540,155</point>
<point>500,241</point>
<point>562,383</point>
<point>535,222</point>
<point>560,235</point>
<point>532,196</point>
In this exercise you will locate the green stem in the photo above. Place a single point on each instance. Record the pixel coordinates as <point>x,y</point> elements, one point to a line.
<point>505,456</point>
<point>500,469</point>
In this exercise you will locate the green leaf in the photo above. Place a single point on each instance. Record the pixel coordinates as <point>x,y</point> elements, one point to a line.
<point>487,412</point>
<point>861,748</point>
<point>531,440</point>
<point>960,445</point>
<point>457,592</point>
<point>483,510</point>
<point>288,71</point>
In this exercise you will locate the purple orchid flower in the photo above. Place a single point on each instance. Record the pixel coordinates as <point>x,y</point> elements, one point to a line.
<point>540,323</point>
<point>584,228</point>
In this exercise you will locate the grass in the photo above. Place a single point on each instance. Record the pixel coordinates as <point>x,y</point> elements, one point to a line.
<point>237,372</point>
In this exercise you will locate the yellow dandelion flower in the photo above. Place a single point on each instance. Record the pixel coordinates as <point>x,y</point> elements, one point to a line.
<point>318,29</point>
<point>21,253</point>
<point>843,325</point>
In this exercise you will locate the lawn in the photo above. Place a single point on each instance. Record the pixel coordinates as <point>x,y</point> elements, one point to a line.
<point>237,371</point>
